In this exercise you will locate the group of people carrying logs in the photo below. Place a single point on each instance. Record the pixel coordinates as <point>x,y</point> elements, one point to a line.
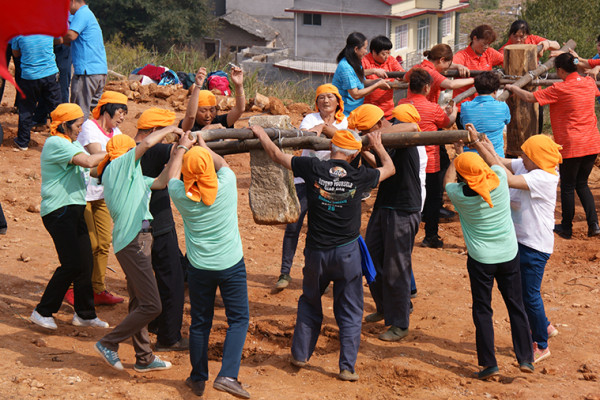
<point>506,207</point>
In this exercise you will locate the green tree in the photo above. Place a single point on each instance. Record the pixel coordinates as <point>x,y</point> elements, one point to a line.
<point>561,21</point>
<point>155,23</point>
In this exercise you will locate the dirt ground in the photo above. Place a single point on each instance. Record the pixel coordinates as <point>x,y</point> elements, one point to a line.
<point>436,360</point>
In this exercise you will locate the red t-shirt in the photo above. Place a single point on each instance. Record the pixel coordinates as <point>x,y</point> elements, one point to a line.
<point>530,39</point>
<point>593,63</point>
<point>438,78</point>
<point>467,57</point>
<point>433,117</point>
<point>382,98</point>
<point>572,114</point>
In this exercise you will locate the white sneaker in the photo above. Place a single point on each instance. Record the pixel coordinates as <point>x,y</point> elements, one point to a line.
<point>96,322</point>
<point>44,322</point>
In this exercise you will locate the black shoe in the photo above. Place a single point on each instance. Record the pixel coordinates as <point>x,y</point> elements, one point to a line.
<point>434,242</point>
<point>413,294</point>
<point>182,344</point>
<point>230,385</point>
<point>411,308</point>
<point>196,386</point>
<point>446,214</point>
<point>563,232</point>
<point>593,230</point>
<point>283,281</point>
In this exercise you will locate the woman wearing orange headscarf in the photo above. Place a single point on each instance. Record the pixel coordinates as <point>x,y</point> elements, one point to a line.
<point>201,112</point>
<point>482,201</point>
<point>63,203</point>
<point>95,133</point>
<point>326,121</point>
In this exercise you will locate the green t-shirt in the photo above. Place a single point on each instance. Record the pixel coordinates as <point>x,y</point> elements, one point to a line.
<point>127,195</point>
<point>63,184</point>
<point>489,232</point>
<point>212,237</point>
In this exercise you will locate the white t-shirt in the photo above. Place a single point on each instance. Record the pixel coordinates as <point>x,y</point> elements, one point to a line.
<point>91,133</point>
<point>310,121</point>
<point>533,210</point>
<point>422,173</point>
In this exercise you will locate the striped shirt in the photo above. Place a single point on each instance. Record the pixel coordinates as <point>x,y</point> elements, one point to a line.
<point>433,118</point>
<point>594,62</point>
<point>530,39</point>
<point>382,98</point>
<point>434,93</point>
<point>572,114</point>
<point>489,116</point>
<point>37,56</point>
<point>467,57</point>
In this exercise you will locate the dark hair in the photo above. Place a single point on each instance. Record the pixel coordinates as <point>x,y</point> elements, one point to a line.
<point>380,43</point>
<point>355,39</point>
<point>438,52</point>
<point>519,25</point>
<point>487,82</point>
<point>111,108</point>
<point>419,78</point>
<point>68,124</point>
<point>565,61</point>
<point>485,32</point>
<point>598,40</point>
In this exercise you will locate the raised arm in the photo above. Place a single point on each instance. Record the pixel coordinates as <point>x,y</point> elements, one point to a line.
<point>360,93</point>
<point>522,94</point>
<point>192,108</point>
<point>387,168</point>
<point>456,83</point>
<point>173,168</point>
<point>271,148</point>
<point>218,161</point>
<point>237,77</point>
<point>154,138</point>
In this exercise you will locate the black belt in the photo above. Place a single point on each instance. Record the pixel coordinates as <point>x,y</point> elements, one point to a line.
<point>146,228</point>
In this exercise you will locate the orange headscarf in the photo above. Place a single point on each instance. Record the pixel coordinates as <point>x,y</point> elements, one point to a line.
<point>329,88</point>
<point>116,147</point>
<point>199,176</point>
<point>109,97</point>
<point>206,99</point>
<point>407,113</point>
<point>364,117</point>
<point>478,175</point>
<point>63,113</point>
<point>346,140</point>
<point>155,118</point>
<point>544,152</point>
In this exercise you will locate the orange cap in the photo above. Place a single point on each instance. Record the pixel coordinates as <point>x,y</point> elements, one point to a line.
<point>478,175</point>
<point>329,88</point>
<point>364,117</point>
<point>345,139</point>
<point>199,176</point>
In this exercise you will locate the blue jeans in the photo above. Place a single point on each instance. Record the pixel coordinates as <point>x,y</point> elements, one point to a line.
<point>234,291</point>
<point>533,263</point>
<point>292,231</point>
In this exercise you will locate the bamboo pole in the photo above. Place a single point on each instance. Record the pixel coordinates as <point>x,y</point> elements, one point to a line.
<point>391,140</point>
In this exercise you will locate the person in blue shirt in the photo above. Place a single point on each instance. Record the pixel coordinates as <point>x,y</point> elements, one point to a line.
<point>349,75</point>
<point>39,81</point>
<point>487,114</point>
<point>88,55</point>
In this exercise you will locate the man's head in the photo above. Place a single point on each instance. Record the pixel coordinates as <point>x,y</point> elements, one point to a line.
<point>366,118</point>
<point>76,5</point>
<point>380,48</point>
<point>420,81</point>
<point>346,145</point>
<point>487,82</point>
<point>153,119</point>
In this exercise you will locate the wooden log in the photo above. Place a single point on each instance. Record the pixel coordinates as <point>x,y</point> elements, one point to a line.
<point>518,60</point>
<point>391,140</point>
<point>503,81</point>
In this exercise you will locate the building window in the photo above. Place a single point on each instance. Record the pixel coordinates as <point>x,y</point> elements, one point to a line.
<point>401,32</point>
<point>312,19</point>
<point>423,35</point>
<point>445,25</point>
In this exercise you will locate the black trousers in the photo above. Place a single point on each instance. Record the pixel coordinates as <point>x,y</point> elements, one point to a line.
<point>69,232</point>
<point>41,94</point>
<point>574,174</point>
<point>166,262</point>
<point>508,277</point>
<point>2,218</point>
<point>433,202</point>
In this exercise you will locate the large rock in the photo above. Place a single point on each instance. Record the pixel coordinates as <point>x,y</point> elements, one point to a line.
<point>272,193</point>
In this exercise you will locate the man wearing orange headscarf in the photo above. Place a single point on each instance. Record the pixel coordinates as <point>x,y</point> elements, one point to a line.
<point>166,255</point>
<point>127,195</point>
<point>483,203</point>
<point>332,251</point>
<point>328,119</point>
<point>201,112</point>
<point>207,202</point>
<point>533,180</point>
<point>394,222</point>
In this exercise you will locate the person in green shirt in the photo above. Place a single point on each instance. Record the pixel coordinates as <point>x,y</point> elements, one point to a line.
<point>127,195</point>
<point>63,204</point>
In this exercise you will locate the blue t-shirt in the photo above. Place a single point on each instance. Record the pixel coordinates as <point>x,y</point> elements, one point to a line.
<point>89,55</point>
<point>489,116</point>
<point>37,56</point>
<point>345,78</point>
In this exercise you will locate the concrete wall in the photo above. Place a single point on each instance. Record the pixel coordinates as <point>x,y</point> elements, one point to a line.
<point>324,42</point>
<point>356,6</point>
<point>233,36</point>
<point>271,8</point>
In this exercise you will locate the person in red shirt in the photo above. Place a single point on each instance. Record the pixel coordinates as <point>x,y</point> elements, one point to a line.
<point>439,60</point>
<point>433,118</point>
<point>519,33</point>
<point>478,56</point>
<point>379,61</point>
<point>574,126</point>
